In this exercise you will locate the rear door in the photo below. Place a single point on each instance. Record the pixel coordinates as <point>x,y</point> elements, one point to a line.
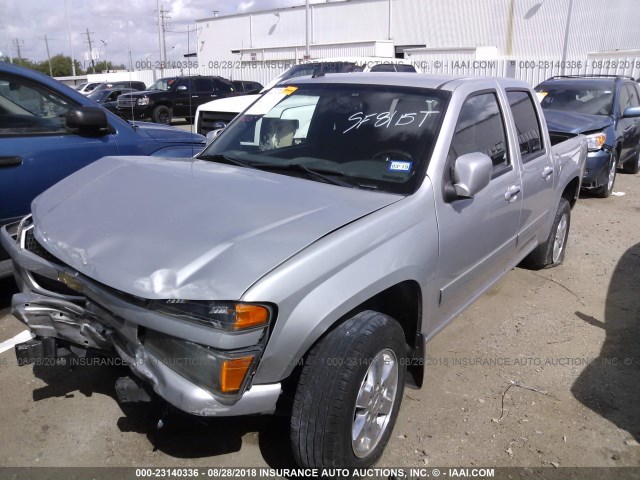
<point>478,235</point>
<point>538,176</point>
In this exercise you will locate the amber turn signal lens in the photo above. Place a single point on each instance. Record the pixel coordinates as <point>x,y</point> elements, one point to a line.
<point>248,316</point>
<point>233,372</point>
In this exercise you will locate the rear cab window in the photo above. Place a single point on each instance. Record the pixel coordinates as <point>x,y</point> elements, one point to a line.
<point>527,124</point>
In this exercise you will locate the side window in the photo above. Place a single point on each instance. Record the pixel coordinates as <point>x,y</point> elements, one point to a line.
<point>480,128</point>
<point>383,67</point>
<point>405,68</point>
<point>527,124</point>
<point>113,96</point>
<point>633,95</point>
<point>623,99</point>
<point>184,82</point>
<point>203,85</point>
<point>222,86</point>
<point>27,108</point>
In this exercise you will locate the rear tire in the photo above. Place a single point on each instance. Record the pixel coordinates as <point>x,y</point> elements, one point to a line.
<point>607,189</point>
<point>633,165</point>
<point>551,253</point>
<point>349,394</point>
<point>162,114</point>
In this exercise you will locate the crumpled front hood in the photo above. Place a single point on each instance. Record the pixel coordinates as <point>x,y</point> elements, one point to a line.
<point>188,229</point>
<point>165,134</point>
<point>572,122</point>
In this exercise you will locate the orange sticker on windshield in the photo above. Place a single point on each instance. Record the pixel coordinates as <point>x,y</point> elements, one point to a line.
<point>289,90</point>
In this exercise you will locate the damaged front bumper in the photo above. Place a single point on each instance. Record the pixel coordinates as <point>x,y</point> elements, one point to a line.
<point>58,302</point>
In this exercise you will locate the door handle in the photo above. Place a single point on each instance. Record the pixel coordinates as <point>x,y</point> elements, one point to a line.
<point>11,161</point>
<point>512,193</point>
<point>547,172</point>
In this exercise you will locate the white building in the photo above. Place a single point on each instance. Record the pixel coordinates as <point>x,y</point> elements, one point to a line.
<point>528,39</point>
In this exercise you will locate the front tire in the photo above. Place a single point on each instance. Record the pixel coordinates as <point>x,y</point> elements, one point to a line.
<point>551,252</point>
<point>606,190</point>
<point>632,166</point>
<point>162,114</point>
<point>349,394</point>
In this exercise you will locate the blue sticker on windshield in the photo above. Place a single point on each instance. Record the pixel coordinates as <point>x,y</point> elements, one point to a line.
<point>400,166</point>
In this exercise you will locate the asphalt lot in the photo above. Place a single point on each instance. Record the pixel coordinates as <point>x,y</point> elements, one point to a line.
<point>543,370</point>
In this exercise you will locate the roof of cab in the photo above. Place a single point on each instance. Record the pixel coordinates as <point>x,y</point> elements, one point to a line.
<point>444,82</point>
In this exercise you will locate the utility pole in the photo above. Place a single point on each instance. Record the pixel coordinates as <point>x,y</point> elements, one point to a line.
<point>164,20</point>
<point>17,43</point>
<point>46,42</point>
<point>159,34</point>
<point>73,62</point>
<point>307,20</point>
<point>93,63</point>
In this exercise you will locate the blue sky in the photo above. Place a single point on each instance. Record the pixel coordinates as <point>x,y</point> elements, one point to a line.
<point>116,27</point>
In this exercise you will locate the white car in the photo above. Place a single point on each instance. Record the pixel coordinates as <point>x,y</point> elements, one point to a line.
<point>217,114</point>
<point>87,88</point>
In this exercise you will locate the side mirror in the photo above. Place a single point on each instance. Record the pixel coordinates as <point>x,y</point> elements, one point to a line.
<point>181,88</point>
<point>213,134</point>
<point>471,173</point>
<point>87,118</point>
<point>631,112</point>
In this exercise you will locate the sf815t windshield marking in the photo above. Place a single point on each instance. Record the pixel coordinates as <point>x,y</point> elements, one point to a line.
<point>372,137</point>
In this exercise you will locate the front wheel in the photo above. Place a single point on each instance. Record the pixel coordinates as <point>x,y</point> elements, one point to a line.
<point>607,189</point>
<point>632,165</point>
<point>161,114</point>
<point>349,394</point>
<point>551,252</point>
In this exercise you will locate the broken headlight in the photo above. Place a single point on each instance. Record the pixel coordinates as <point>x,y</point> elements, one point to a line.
<point>222,373</point>
<point>230,316</point>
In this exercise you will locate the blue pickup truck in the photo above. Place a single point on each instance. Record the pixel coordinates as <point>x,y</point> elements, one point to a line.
<point>48,131</point>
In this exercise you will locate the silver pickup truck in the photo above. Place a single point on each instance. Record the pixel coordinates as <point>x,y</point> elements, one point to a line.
<point>304,259</point>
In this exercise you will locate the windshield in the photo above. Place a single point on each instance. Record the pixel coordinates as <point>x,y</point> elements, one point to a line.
<point>590,99</point>
<point>363,136</point>
<point>163,84</point>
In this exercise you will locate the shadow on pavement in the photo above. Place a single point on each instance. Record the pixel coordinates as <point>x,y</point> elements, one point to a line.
<point>610,385</point>
<point>7,288</point>
<point>182,435</point>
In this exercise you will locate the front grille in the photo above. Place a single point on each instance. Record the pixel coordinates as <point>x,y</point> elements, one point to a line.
<point>53,285</point>
<point>32,245</point>
<point>207,120</point>
<point>126,102</point>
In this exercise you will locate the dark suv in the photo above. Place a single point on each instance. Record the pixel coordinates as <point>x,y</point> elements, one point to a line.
<point>173,97</point>
<point>603,108</point>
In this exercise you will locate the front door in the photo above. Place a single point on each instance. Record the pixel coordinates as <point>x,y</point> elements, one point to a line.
<point>477,236</point>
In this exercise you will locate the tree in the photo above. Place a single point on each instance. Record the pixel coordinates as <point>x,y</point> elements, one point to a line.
<point>104,66</point>
<point>60,65</point>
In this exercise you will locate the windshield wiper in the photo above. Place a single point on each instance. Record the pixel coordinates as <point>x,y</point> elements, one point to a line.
<point>218,157</point>
<point>319,173</point>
